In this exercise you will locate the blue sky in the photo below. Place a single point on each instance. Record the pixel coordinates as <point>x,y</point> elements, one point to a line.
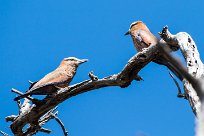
<point>35,35</point>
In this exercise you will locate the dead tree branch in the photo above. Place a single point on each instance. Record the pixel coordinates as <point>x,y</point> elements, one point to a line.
<point>61,124</point>
<point>180,94</point>
<point>3,133</point>
<point>194,64</point>
<point>32,114</point>
<point>37,113</point>
<point>193,81</point>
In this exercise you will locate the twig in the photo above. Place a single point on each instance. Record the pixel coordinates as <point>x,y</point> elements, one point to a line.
<point>180,68</point>
<point>11,118</point>
<point>3,133</point>
<point>92,76</point>
<point>61,124</point>
<point>45,130</point>
<point>33,129</point>
<point>178,87</point>
<point>20,93</point>
<point>169,38</point>
<point>122,79</point>
<point>45,118</point>
<point>31,82</point>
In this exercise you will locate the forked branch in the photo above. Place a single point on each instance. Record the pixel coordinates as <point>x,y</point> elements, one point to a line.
<point>40,111</point>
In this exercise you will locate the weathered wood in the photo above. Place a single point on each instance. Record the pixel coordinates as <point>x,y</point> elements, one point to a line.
<point>194,64</point>
<point>36,113</point>
<point>194,88</point>
<point>33,113</point>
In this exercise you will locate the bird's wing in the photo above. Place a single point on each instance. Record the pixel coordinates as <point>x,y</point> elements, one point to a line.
<point>53,78</point>
<point>41,90</point>
<point>146,37</point>
<point>49,84</point>
<point>49,87</point>
<point>45,89</point>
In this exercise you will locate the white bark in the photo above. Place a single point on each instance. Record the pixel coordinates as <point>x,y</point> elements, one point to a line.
<point>38,113</point>
<point>195,68</point>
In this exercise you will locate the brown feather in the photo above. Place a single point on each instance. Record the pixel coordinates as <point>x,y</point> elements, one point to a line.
<point>143,38</point>
<point>59,78</point>
<point>140,29</point>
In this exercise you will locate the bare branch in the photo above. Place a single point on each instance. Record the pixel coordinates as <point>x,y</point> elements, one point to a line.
<point>194,64</point>
<point>92,76</point>
<point>34,128</point>
<point>180,95</point>
<point>169,38</point>
<point>61,124</point>
<point>3,133</point>
<point>122,79</point>
<point>41,111</point>
<point>193,82</point>
<point>20,93</point>
<point>11,118</point>
<point>45,130</point>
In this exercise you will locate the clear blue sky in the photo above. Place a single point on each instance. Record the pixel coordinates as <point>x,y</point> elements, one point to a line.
<point>35,35</point>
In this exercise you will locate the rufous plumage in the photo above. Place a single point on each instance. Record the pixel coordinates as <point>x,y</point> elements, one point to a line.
<point>143,38</point>
<point>141,35</point>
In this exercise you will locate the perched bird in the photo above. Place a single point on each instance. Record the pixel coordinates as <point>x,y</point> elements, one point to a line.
<point>59,78</point>
<point>141,35</point>
<point>143,38</point>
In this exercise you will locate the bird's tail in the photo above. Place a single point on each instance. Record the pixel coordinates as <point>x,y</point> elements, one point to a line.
<point>21,96</point>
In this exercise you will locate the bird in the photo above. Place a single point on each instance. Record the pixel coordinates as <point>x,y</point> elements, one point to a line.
<point>141,35</point>
<point>59,78</point>
<point>143,38</point>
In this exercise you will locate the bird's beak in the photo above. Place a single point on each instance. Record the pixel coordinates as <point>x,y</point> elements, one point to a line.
<point>82,61</point>
<point>127,33</point>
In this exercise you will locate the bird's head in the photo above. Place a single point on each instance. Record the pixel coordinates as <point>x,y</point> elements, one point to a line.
<point>136,26</point>
<point>73,61</point>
